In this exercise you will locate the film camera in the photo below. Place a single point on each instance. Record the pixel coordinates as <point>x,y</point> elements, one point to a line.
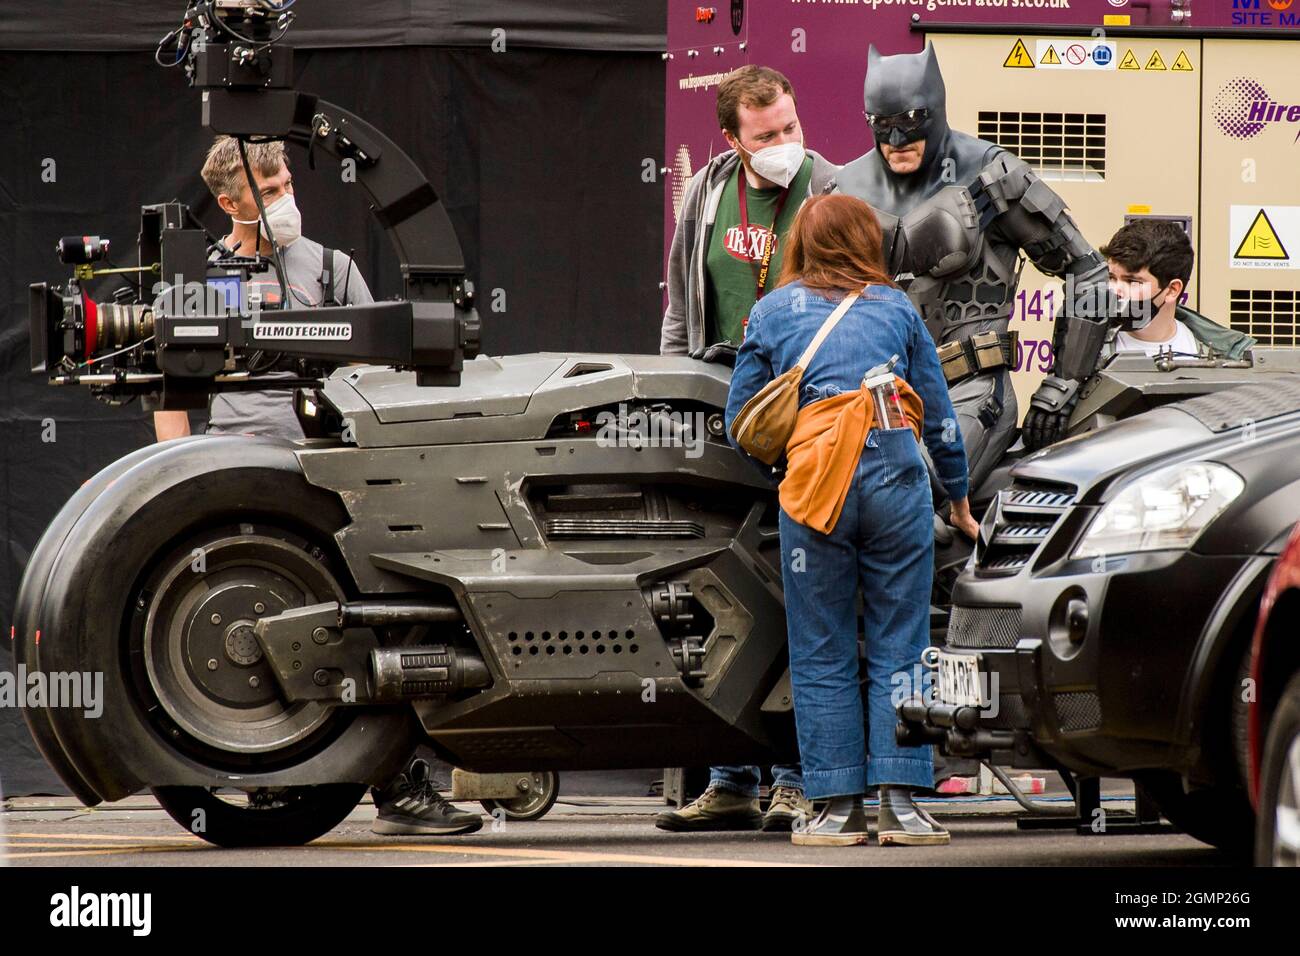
<point>190,323</point>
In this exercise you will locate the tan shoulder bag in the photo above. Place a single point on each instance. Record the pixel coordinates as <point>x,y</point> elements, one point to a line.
<point>765,424</point>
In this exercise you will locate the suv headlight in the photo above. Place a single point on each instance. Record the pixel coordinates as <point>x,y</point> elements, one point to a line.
<point>1167,508</point>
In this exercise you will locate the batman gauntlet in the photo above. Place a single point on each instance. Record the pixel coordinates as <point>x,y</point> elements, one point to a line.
<point>1049,412</point>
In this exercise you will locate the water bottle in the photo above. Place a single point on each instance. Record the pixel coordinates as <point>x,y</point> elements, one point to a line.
<point>883,387</point>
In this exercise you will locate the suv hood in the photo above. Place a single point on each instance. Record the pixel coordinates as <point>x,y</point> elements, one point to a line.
<point>1090,462</point>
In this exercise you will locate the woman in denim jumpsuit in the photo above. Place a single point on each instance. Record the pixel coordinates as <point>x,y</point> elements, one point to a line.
<point>884,538</point>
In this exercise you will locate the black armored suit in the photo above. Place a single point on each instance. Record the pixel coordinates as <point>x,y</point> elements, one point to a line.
<point>954,230</point>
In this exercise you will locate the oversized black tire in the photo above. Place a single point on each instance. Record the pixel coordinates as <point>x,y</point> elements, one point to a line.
<point>1220,816</point>
<point>31,595</point>
<point>1279,784</point>
<point>290,816</point>
<point>130,602</point>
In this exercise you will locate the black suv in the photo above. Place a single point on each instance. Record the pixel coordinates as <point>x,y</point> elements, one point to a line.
<point>1103,623</point>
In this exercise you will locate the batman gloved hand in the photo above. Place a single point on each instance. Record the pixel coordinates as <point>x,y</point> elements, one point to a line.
<point>1076,348</point>
<point>1048,417</point>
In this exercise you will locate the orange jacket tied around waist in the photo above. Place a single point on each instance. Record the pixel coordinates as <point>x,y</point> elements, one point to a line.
<point>823,452</point>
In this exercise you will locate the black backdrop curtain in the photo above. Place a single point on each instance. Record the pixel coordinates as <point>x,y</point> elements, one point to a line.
<point>113,25</point>
<point>537,154</point>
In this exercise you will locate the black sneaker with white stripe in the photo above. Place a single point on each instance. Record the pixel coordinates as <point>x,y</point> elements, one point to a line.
<point>902,822</point>
<point>842,822</point>
<point>412,806</point>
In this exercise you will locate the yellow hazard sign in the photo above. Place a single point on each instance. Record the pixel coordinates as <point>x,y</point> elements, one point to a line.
<point>1129,61</point>
<point>1154,62</point>
<point>1019,57</point>
<point>1050,58</point>
<point>1261,241</point>
<point>1182,64</point>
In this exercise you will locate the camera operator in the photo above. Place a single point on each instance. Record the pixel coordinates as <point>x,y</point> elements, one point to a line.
<point>311,281</point>
<point>410,804</point>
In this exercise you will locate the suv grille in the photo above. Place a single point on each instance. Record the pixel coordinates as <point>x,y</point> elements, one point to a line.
<point>984,627</point>
<point>1078,711</point>
<point>1023,518</point>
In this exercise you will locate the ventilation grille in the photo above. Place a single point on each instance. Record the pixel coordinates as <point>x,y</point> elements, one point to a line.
<point>1078,711</point>
<point>1234,407</point>
<point>1060,146</point>
<point>1012,714</point>
<point>622,528</point>
<point>984,627</point>
<point>1023,518</point>
<point>1267,314</point>
<point>550,644</point>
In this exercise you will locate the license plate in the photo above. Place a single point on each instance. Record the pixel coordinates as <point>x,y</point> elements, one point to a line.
<point>959,680</point>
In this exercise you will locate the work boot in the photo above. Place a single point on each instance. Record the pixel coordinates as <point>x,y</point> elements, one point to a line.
<point>786,807</point>
<point>902,823</point>
<point>412,806</point>
<point>714,809</point>
<point>842,822</point>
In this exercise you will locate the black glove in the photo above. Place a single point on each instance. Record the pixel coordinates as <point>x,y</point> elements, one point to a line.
<point>724,353</point>
<point>1049,412</point>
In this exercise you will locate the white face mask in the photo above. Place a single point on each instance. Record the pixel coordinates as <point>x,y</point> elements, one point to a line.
<point>780,164</point>
<point>285,220</point>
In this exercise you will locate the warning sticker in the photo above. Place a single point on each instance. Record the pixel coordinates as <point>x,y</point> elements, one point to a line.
<point>1155,62</point>
<point>1129,62</point>
<point>1071,54</point>
<point>1264,237</point>
<point>1019,57</point>
<point>1181,63</point>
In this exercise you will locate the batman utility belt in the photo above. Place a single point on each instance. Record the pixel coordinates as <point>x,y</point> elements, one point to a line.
<point>979,353</point>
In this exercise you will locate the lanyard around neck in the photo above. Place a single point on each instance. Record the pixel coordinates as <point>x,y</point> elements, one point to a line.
<point>769,241</point>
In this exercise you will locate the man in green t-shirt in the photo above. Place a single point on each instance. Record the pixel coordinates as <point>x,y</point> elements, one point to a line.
<point>740,245</point>
<point>726,253</point>
<point>715,266</point>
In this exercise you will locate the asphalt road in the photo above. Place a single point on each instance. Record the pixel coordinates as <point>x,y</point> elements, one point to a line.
<point>612,831</point>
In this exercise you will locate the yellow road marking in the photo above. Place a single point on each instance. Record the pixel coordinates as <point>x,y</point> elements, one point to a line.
<point>89,850</point>
<point>94,836</point>
<point>481,863</point>
<point>500,856</point>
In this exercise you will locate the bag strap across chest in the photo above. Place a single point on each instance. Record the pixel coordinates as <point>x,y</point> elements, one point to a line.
<point>828,326</point>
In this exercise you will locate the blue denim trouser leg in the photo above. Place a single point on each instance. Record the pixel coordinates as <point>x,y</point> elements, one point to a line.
<point>744,780</point>
<point>883,539</point>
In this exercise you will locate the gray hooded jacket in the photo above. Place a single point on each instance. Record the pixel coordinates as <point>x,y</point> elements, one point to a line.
<point>683,330</point>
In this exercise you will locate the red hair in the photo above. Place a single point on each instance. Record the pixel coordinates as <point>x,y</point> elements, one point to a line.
<point>835,244</point>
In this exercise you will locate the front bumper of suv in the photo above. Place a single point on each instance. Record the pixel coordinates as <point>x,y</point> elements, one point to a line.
<point>1083,662</point>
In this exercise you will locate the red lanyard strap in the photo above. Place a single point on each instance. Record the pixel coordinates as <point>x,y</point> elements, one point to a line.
<point>769,242</point>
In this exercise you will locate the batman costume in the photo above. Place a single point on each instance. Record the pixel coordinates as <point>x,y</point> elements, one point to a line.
<point>954,230</point>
